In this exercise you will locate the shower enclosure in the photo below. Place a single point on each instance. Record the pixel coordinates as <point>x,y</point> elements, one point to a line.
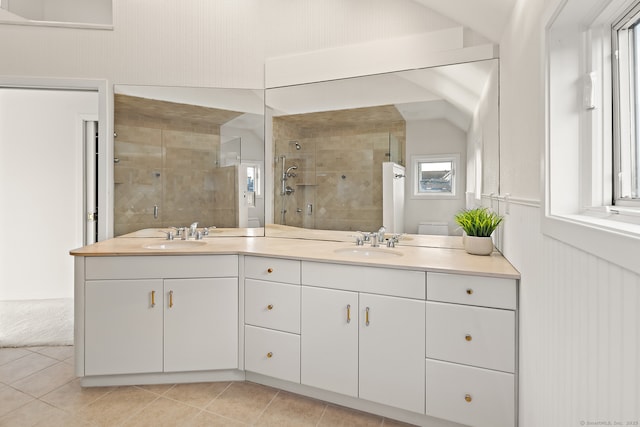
<point>332,182</point>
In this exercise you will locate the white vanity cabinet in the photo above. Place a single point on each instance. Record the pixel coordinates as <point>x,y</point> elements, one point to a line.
<point>272,317</point>
<point>140,319</point>
<point>363,333</point>
<point>471,339</point>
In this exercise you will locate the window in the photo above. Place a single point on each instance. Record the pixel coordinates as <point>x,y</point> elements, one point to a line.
<point>591,150</point>
<point>434,175</point>
<point>626,72</point>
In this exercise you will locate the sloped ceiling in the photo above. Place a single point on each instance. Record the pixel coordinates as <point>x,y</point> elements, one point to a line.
<point>487,17</point>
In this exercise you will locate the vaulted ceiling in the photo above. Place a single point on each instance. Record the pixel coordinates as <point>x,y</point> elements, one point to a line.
<point>487,17</point>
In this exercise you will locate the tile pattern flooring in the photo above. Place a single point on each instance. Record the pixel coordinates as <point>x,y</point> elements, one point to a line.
<point>38,388</point>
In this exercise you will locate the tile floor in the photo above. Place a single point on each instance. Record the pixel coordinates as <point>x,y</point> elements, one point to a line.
<point>38,388</point>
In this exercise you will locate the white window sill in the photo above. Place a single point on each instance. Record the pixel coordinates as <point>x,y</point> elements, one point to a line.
<point>611,236</point>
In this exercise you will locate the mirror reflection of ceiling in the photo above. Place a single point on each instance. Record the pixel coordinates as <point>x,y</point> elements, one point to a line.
<point>96,12</point>
<point>451,92</point>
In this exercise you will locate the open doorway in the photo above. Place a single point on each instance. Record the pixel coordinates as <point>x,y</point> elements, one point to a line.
<point>47,148</point>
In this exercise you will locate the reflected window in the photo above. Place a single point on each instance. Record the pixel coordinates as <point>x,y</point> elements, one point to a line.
<point>434,176</point>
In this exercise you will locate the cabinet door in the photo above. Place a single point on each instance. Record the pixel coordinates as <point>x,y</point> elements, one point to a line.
<point>200,324</point>
<point>329,340</point>
<point>123,327</point>
<point>392,342</point>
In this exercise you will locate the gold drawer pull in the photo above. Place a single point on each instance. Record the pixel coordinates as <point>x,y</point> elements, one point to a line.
<point>170,299</point>
<point>469,291</point>
<point>269,355</point>
<point>270,307</point>
<point>153,298</point>
<point>348,313</point>
<point>269,270</point>
<point>366,316</point>
<point>468,398</point>
<point>468,337</point>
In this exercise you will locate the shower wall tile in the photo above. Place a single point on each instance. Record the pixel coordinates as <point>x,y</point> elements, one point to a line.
<point>170,162</point>
<point>339,166</point>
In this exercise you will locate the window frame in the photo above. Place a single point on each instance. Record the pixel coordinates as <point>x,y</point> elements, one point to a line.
<point>578,157</point>
<point>416,160</point>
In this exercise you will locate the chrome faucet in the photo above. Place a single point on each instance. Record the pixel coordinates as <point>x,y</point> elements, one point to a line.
<point>381,232</point>
<point>193,229</point>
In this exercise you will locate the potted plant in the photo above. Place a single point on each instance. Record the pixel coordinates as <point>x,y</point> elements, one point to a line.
<point>478,225</point>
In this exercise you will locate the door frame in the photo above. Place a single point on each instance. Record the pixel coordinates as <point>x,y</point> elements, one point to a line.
<point>105,134</point>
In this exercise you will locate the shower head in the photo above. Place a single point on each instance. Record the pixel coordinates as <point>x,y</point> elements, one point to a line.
<point>298,146</point>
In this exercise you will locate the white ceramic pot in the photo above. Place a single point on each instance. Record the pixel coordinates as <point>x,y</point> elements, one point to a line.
<point>478,245</point>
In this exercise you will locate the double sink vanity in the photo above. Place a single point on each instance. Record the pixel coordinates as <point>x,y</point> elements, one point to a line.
<point>423,332</point>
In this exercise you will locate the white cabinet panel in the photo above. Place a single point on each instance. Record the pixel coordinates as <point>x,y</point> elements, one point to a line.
<point>475,336</point>
<point>472,396</point>
<point>123,329</point>
<point>272,305</point>
<point>329,340</point>
<point>392,340</point>
<point>472,290</point>
<point>272,353</point>
<point>200,324</point>
<point>357,278</point>
<point>169,266</point>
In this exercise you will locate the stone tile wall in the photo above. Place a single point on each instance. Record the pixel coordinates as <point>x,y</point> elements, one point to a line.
<point>167,163</point>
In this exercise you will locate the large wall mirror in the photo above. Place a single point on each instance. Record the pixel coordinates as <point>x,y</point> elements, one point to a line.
<point>437,127</point>
<point>185,155</point>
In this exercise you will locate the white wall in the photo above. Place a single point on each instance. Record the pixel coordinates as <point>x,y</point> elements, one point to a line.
<point>41,175</point>
<point>580,315</point>
<point>434,137</point>
<point>204,42</point>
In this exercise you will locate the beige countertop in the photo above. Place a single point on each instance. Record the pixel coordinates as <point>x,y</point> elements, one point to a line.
<point>436,253</point>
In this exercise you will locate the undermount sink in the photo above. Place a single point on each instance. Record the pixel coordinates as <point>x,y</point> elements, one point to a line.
<point>175,244</point>
<point>367,252</point>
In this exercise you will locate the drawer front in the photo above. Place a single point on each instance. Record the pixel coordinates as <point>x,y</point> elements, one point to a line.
<point>272,305</point>
<point>168,267</point>
<point>470,396</point>
<point>472,290</point>
<point>272,353</point>
<point>272,269</point>
<point>477,336</point>
<point>357,278</point>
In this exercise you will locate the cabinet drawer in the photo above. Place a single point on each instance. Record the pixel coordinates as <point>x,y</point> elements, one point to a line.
<point>272,305</point>
<point>151,267</point>
<point>477,336</point>
<point>471,396</point>
<point>375,280</point>
<point>272,353</point>
<point>472,290</point>
<point>272,269</point>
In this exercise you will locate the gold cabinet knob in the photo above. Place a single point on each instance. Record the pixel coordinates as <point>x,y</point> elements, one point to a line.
<point>468,337</point>
<point>269,355</point>
<point>468,397</point>
<point>469,291</point>
<point>269,270</point>
<point>270,307</point>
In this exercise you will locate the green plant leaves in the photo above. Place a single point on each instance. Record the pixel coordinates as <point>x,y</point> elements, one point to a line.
<point>479,222</point>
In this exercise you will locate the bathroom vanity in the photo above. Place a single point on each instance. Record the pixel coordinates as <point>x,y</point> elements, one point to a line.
<point>423,334</point>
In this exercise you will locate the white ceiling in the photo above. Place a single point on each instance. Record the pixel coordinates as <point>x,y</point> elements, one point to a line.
<point>487,17</point>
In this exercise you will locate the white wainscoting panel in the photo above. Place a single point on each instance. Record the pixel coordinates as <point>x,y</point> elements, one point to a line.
<point>579,329</point>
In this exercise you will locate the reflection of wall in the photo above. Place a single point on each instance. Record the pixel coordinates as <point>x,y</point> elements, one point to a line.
<point>426,137</point>
<point>339,170</point>
<point>170,163</point>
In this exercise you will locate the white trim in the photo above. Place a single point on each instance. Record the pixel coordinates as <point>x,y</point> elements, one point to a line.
<point>75,25</point>
<point>105,134</point>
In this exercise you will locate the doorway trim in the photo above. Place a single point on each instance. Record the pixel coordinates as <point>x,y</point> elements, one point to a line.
<point>105,134</point>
